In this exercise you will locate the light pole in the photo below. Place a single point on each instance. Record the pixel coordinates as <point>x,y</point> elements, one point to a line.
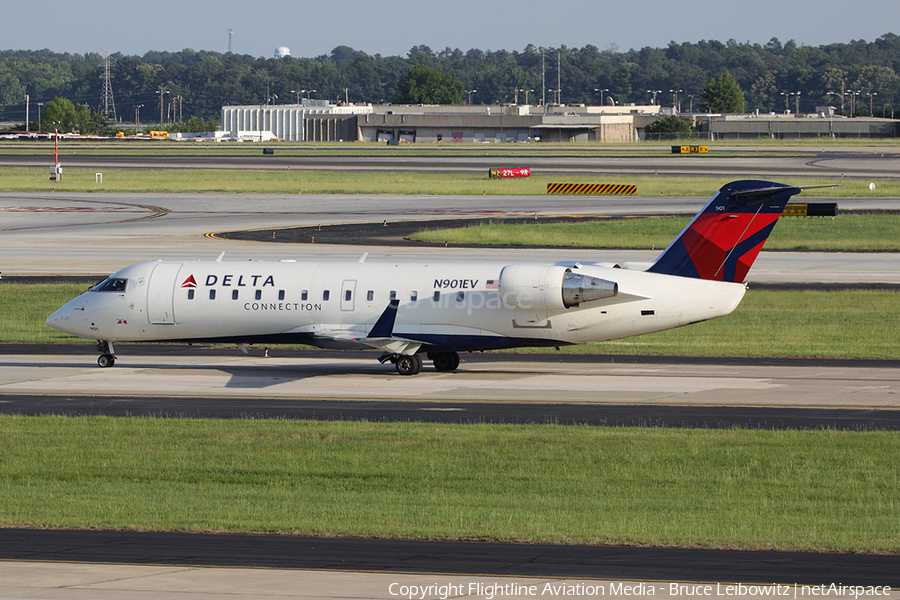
<point>654,92</point>
<point>470,92</point>
<point>137,118</point>
<point>161,91</point>
<point>871,112</point>
<point>308,92</point>
<point>601,90</point>
<point>853,95</point>
<point>787,97</point>
<point>39,105</point>
<point>298,92</point>
<point>797,105</point>
<point>675,98</point>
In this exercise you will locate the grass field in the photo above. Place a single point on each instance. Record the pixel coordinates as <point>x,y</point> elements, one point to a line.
<point>841,324</point>
<point>848,232</point>
<point>308,182</point>
<point>822,490</point>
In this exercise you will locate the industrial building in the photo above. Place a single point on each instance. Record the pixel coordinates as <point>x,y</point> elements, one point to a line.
<point>289,122</point>
<point>318,120</point>
<point>792,126</point>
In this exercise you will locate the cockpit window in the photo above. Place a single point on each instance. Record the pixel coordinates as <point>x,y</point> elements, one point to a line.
<point>110,284</point>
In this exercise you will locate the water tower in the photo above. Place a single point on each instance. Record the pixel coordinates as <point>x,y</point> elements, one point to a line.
<point>282,52</point>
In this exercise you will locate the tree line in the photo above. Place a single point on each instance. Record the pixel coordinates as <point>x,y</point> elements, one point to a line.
<point>175,87</point>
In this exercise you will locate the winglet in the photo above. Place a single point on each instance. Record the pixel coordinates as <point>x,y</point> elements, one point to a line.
<point>384,326</point>
<point>723,240</point>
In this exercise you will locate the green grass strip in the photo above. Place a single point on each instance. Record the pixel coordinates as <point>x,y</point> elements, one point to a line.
<point>806,490</point>
<point>815,324</point>
<point>285,181</point>
<point>848,232</point>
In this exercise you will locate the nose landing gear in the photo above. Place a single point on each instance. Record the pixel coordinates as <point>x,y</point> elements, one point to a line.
<point>107,354</point>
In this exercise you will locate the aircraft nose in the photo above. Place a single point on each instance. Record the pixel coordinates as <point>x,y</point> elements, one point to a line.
<point>62,319</point>
<point>59,316</point>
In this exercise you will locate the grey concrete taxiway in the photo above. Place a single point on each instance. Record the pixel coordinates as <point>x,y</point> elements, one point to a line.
<point>65,581</point>
<point>255,378</point>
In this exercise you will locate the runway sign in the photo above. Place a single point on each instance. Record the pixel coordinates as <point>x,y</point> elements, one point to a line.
<point>818,209</point>
<point>592,188</point>
<point>495,173</point>
<point>690,149</point>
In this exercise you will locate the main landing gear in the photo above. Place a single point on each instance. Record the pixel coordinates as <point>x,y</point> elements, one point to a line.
<point>107,354</point>
<point>411,364</point>
<point>444,361</point>
<point>408,364</point>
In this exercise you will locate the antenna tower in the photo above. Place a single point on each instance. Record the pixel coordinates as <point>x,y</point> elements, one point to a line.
<point>107,104</point>
<point>230,33</point>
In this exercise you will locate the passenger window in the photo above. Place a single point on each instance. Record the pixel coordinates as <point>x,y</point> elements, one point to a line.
<point>370,295</point>
<point>190,294</point>
<point>304,295</point>
<point>326,295</point>
<point>437,296</point>
<point>413,296</point>
<point>234,294</point>
<point>460,296</point>
<point>393,295</point>
<point>259,294</point>
<point>281,294</point>
<point>348,295</point>
<point>212,294</point>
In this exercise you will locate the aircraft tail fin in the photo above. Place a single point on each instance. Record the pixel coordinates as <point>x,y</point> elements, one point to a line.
<point>724,239</point>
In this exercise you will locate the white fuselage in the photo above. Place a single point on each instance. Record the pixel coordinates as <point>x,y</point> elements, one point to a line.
<point>442,306</point>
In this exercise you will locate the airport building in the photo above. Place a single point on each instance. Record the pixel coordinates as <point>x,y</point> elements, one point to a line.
<point>792,126</point>
<point>311,120</point>
<point>320,121</point>
<point>503,124</point>
<point>317,120</point>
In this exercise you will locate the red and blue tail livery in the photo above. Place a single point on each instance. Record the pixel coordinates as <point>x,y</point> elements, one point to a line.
<point>724,239</point>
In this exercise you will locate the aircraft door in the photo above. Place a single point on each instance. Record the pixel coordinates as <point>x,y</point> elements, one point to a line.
<point>161,294</point>
<point>348,293</point>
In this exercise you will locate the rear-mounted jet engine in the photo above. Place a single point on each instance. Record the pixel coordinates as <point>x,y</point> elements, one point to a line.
<point>551,287</point>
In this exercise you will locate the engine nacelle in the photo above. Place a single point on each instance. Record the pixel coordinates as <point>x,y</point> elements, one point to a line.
<point>550,287</point>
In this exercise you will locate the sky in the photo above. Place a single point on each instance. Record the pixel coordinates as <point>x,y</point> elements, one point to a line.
<point>392,27</point>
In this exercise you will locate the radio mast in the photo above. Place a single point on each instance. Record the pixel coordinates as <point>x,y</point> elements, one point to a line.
<point>107,104</point>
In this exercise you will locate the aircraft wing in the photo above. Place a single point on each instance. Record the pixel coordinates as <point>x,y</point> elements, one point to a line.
<point>382,334</point>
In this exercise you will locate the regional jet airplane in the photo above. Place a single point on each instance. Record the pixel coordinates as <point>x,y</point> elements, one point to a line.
<point>408,310</point>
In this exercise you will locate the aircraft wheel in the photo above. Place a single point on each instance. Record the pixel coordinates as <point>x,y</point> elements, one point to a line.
<point>445,361</point>
<point>106,360</point>
<point>409,364</point>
